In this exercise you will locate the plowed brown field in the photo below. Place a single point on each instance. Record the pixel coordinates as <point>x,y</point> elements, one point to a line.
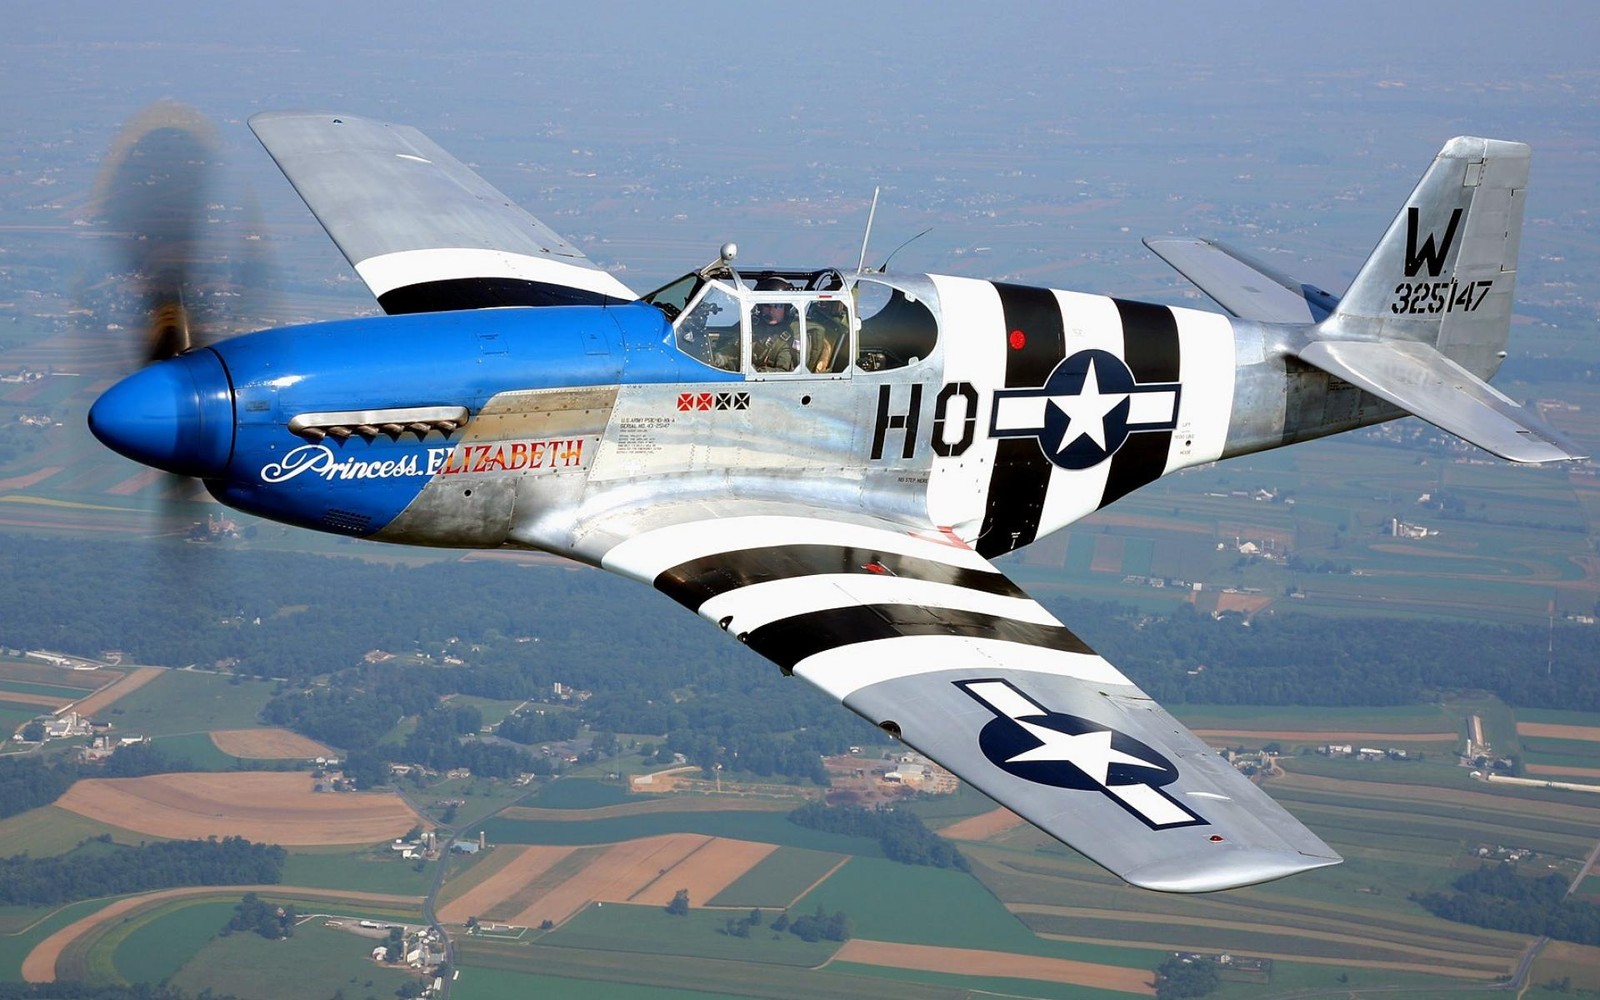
<point>1550,730</point>
<point>971,962</point>
<point>269,808</point>
<point>268,744</point>
<point>982,826</point>
<point>549,883</point>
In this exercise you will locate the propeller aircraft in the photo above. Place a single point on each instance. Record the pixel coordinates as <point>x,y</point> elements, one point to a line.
<point>824,463</point>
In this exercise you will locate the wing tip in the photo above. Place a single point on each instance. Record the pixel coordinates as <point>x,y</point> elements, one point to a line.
<point>1192,873</point>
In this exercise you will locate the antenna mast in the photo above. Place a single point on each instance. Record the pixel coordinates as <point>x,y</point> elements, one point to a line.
<point>861,265</point>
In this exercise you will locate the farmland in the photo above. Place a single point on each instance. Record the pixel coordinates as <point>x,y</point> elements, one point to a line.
<point>266,807</point>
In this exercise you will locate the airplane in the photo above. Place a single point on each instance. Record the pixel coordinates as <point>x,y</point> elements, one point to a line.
<point>823,463</point>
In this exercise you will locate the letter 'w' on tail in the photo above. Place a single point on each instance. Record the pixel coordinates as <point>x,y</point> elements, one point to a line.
<point>1443,274</point>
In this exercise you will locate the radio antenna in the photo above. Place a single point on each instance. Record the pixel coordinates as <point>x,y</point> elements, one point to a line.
<point>861,264</point>
<point>885,266</point>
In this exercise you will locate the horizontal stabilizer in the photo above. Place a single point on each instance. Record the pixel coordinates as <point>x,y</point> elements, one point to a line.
<point>1420,380</point>
<point>1242,285</point>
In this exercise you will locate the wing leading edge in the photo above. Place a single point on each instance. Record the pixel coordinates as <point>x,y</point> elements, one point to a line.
<point>422,230</point>
<point>925,638</point>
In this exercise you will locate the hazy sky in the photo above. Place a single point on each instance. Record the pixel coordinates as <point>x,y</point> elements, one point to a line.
<point>717,114</point>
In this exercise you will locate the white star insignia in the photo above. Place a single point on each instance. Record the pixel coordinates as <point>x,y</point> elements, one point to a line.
<point>1090,753</point>
<point>1086,411</point>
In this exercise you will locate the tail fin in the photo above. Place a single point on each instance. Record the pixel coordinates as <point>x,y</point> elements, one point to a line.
<point>1427,318</point>
<point>1444,273</point>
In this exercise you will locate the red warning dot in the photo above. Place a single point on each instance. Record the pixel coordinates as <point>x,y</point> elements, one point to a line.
<point>1018,340</point>
<point>875,568</point>
<point>1215,839</point>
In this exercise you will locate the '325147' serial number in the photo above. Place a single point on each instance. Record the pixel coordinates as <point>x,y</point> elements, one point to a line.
<point>1424,297</point>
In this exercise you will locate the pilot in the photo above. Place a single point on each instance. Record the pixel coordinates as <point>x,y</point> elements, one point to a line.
<point>827,333</point>
<point>775,331</point>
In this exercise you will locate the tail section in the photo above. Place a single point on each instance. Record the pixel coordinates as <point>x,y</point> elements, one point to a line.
<point>1427,318</point>
<point>1444,273</point>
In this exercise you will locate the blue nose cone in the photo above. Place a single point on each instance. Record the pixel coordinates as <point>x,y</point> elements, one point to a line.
<point>175,415</point>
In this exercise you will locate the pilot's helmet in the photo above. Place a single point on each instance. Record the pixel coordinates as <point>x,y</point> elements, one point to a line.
<point>773,313</point>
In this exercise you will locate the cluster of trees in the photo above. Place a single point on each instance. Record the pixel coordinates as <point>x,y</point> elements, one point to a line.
<point>1497,897</point>
<point>1306,660</point>
<point>1180,978</point>
<point>816,926</point>
<point>269,920</point>
<point>100,868</point>
<point>902,834</point>
<point>740,927</point>
<point>32,781</point>
<point>139,759</point>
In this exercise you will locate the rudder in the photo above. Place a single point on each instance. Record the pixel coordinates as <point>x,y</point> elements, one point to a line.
<point>1445,270</point>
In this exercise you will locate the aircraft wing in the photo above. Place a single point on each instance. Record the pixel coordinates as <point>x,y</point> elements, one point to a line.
<point>423,231</point>
<point>1241,284</point>
<point>922,636</point>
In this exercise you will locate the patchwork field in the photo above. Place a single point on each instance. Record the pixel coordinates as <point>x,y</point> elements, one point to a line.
<point>268,744</point>
<point>1588,734</point>
<point>41,965</point>
<point>983,826</point>
<point>971,962</point>
<point>119,689</point>
<point>528,885</point>
<point>276,808</point>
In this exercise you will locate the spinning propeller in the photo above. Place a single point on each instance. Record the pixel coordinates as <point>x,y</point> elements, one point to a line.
<point>176,413</point>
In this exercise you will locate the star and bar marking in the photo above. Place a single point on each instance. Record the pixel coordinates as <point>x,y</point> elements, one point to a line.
<point>1085,410</point>
<point>1028,741</point>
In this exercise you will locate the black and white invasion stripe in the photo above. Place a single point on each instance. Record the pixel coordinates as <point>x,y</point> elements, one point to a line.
<point>1033,340</point>
<point>846,605</point>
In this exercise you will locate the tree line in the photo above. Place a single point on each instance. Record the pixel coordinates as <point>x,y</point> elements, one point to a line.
<point>902,834</point>
<point>99,868</point>
<point>1498,897</point>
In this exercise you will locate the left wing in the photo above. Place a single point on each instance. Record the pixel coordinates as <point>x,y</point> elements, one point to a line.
<point>422,230</point>
<point>925,638</point>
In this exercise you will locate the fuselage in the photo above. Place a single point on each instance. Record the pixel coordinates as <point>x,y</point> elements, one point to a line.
<point>997,412</point>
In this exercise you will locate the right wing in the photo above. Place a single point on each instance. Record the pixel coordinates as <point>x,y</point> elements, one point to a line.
<point>1241,284</point>
<point>925,638</point>
<point>422,230</point>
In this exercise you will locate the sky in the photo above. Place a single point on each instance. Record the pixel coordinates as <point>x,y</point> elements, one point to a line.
<point>1028,134</point>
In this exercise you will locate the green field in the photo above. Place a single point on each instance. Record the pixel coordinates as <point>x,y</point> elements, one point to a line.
<point>154,946</point>
<point>183,701</point>
<point>358,871</point>
<point>650,930</point>
<point>16,943</point>
<point>978,986</point>
<point>481,796</point>
<point>582,793</point>
<point>50,830</point>
<point>779,879</point>
<point>49,690</point>
<point>503,984</point>
<point>201,751</point>
<point>315,962</point>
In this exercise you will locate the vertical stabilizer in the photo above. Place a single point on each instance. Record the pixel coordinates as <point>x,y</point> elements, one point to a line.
<point>1444,272</point>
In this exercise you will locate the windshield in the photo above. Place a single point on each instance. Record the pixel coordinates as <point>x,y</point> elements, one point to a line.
<point>671,298</point>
